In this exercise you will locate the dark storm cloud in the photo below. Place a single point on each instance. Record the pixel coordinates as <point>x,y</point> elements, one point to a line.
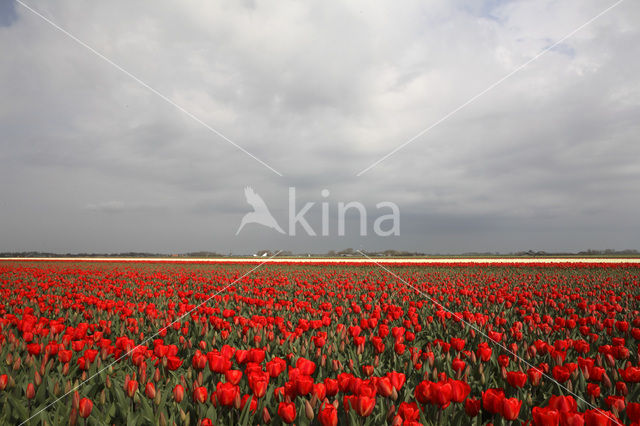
<point>92,161</point>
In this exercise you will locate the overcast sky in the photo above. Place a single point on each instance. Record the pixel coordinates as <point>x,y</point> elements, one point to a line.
<point>91,160</point>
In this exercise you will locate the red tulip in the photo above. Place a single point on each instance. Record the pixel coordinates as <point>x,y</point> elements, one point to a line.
<point>258,382</point>
<point>408,411</point>
<point>64,356</point>
<point>616,402</point>
<point>306,366</point>
<point>511,408</point>
<point>150,390</point>
<point>31,391</point>
<point>563,404</point>
<point>545,416</point>
<point>200,394</point>
<point>599,418</point>
<point>535,375</point>
<point>218,363</point>
<point>458,365</point>
<point>633,411</point>
<point>84,407</point>
<point>441,393</point>
<point>472,407</point>
<point>492,400</point>
<point>4,379</point>
<point>517,379</point>
<point>199,360</point>
<point>364,405</point>
<point>397,379</point>
<point>484,351</point>
<point>33,348</point>
<point>178,393</point>
<point>561,373</point>
<point>457,344</point>
<point>384,387</point>
<point>572,419</point>
<point>367,370</point>
<point>319,391</point>
<point>423,392</point>
<point>331,386</point>
<point>233,376</point>
<point>503,361</point>
<point>131,387</point>
<point>275,367</point>
<point>287,411</point>
<point>459,390</point>
<point>593,390</point>
<point>253,405</point>
<point>226,393</point>
<point>304,385</point>
<point>630,374</point>
<point>328,415</point>
<point>173,363</point>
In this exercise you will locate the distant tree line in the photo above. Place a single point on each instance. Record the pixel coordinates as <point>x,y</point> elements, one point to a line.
<point>331,253</point>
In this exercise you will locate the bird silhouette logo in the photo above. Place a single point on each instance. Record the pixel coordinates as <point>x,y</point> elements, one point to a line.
<point>260,214</point>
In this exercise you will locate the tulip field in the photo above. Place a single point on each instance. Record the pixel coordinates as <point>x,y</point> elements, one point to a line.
<point>139,343</point>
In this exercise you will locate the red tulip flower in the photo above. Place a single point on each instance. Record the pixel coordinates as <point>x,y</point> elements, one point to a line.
<point>287,412</point>
<point>226,393</point>
<point>561,373</point>
<point>517,379</point>
<point>173,363</point>
<point>492,400</point>
<point>84,407</point>
<point>331,386</point>
<point>150,390</point>
<point>304,385</point>
<point>633,411</point>
<point>200,394</point>
<point>31,391</point>
<point>545,416</point>
<point>397,379</point>
<point>178,393</point>
<point>423,392</point>
<point>408,411</point>
<point>459,390</point>
<point>458,365</point>
<point>535,375</point>
<point>233,376</point>
<point>599,418</point>
<point>484,351</point>
<point>385,388</point>
<point>511,408</point>
<point>441,393</point>
<point>131,387</point>
<point>328,415</point>
<point>472,407</point>
<point>563,404</point>
<point>364,405</point>
<point>253,405</point>
<point>4,379</point>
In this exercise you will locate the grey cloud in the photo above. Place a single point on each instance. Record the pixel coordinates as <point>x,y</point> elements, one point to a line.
<point>7,13</point>
<point>547,160</point>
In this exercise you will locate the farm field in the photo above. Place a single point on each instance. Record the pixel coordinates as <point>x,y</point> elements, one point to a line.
<point>322,343</point>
